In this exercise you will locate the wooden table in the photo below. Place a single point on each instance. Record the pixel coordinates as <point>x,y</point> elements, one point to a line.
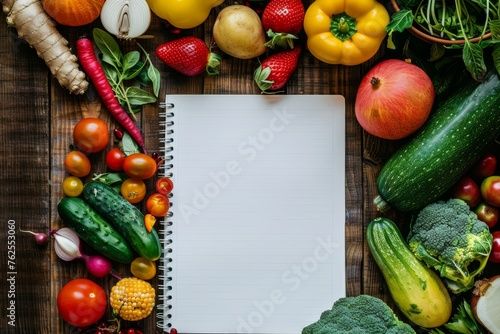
<point>36,120</point>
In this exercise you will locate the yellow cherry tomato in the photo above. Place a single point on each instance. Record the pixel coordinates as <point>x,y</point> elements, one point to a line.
<point>143,268</point>
<point>72,186</point>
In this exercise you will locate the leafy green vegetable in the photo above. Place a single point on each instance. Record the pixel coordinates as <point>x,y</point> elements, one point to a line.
<point>123,72</point>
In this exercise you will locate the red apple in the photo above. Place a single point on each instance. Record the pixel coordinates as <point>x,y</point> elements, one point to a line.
<point>468,190</point>
<point>490,190</point>
<point>487,213</point>
<point>495,251</point>
<point>394,99</point>
<point>484,167</point>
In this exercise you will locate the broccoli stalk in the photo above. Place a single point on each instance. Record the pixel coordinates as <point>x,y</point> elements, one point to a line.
<point>449,237</point>
<point>359,315</point>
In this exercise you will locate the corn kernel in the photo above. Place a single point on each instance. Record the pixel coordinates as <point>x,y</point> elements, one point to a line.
<point>132,298</point>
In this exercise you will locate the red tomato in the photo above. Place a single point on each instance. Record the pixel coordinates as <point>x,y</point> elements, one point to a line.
<point>77,164</point>
<point>139,166</point>
<point>164,185</point>
<point>158,205</point>
<point>487,213</point>
<point>134,190</point>
<point>468,190</point>
<point>490,190</point>
<point>91,135</point>
<point>114,159</point>
<point>81,302</point>
<point>495,251</point>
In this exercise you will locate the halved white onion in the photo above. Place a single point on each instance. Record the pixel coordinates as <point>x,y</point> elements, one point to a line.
<point>126,19</point>
<point>67,244</point>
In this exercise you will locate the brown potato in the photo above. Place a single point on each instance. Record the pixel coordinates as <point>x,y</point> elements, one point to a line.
<point>238,32</point>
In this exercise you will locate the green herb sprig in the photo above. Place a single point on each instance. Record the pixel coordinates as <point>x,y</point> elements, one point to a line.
<point>126,73</point>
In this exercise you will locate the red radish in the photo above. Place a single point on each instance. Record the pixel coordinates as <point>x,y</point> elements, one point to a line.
<point>189,56</point>
<point>41,239</point>
<point>394,99</point>
<point>485,303</point>
<point>93,69</point>
<point>283,20</point>
<point>277,69</point>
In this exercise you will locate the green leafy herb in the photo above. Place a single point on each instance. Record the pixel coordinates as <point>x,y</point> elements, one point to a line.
<point>114,180</point>
<point>126,72</point>
<point>129,146</point>
<point>399,22</point>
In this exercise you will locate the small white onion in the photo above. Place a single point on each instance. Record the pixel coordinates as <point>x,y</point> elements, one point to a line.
<point>126,19</point>
<point>67,244</point>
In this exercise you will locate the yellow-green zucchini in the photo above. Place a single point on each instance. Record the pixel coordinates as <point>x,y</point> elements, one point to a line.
<point>416,290</point>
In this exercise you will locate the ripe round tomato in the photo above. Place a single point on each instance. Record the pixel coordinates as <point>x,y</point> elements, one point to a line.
<point>158,205</point>
<point>72,186</point>
<point>114,159</point>
<point>77,164</point>
<point>143,268</point>
<point>164,185</point>
<point>139,166</point>
<point>91,135</point>
<point>81,302</point>
<point>490,190</point>
<point>134,190</point>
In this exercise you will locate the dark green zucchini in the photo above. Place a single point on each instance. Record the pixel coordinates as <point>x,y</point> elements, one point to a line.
<point>416,290</point>
<point>448,144</point>
<point>94,230</point>
<point>127,219</point>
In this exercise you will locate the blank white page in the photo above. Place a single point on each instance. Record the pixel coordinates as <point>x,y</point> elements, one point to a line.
<point>258,212</point>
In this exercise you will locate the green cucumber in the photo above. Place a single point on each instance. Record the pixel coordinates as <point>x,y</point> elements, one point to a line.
<point>448,144</point>
<point>94,230</point>
<point>127,219</point>
<point>416,290</point>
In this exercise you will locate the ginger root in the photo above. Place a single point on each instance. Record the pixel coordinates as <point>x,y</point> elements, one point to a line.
<point>38,29</point>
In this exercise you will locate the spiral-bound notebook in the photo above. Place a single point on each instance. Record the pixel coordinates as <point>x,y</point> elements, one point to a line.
<point>255,240</point>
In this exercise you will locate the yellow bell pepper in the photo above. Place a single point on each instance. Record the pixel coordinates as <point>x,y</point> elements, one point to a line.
<point>347,32</point>
<point>183,14</point>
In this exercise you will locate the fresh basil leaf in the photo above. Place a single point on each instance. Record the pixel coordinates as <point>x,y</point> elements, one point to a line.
<point>472,56</point>
<point>496,57</point>
<point>400,21</point>
<point>137,96</point>
<point>111,73</point>
<point>129,146</point>
<point>154,76</point>
<point>107,45</point>
<point>130,60</point>
<point>134,71</point>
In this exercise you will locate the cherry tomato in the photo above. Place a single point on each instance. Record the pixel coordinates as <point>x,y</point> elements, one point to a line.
<point>139,166</point>
<point>490,190</point>
<point>495,251</point>
<point>468,190</point>
<point>81,302</point>
<point>72,186</point>
<point>114,159</point>
<point>158,205</point>
<point>143,268</point>
<point>134,190</point>
<point>164,185</point>
<point>77,164</point>
<point>91,135</point>
<point>149,221</point>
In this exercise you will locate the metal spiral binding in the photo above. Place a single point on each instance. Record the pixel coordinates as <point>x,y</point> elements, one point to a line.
<point>164,304</point>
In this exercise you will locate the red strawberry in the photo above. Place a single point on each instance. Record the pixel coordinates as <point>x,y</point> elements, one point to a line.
<point>189,56</point>
<point>283,19</point>
<point>276,70</point>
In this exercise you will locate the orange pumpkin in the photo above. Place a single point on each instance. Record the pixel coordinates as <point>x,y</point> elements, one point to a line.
<point>73,13</point>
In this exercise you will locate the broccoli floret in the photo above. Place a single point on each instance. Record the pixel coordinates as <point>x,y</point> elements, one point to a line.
<point>359,315</point>
<point>449,237</point>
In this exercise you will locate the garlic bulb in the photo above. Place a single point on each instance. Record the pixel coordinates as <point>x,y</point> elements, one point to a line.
<point>67,244</point>
<point>126,19</point>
